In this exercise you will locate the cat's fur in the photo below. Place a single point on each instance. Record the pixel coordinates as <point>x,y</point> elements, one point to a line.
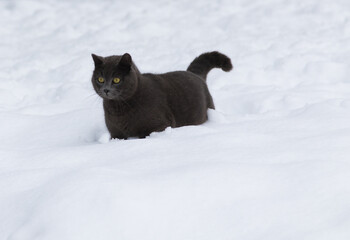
<point>144,103</point>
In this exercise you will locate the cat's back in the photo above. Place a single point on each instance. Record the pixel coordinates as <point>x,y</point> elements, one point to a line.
<point>183,77</point>
<point>186,94</point>
<point>177,80</point>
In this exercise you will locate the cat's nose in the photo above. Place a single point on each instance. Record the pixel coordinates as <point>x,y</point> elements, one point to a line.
<point>106,91</point>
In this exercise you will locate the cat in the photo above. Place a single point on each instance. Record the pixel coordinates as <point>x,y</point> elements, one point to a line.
<point>135,104</point>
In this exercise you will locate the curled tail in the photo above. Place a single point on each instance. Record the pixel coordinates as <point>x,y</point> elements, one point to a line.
<point>207,61</point>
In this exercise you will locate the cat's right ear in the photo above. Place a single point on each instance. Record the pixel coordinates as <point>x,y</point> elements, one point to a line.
<point>125,62</point>
<point>97,60</point>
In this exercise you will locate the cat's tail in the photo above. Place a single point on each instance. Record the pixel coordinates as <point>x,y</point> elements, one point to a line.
<point>207,61</point>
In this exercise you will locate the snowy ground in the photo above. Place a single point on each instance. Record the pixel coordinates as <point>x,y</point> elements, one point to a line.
<point>272,163</point>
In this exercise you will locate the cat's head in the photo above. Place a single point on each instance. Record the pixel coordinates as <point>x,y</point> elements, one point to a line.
<point>115,77</point>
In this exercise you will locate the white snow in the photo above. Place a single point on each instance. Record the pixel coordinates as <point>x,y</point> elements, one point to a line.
<point>273,161</point>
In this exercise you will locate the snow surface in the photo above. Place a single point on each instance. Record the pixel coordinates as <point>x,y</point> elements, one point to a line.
<point>272,163</point>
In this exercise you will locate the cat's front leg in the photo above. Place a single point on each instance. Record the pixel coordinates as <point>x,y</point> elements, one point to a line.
<point>118,135</point>
<point>142,136</point>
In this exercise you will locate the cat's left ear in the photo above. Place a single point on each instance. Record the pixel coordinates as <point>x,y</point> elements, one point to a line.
<point>125,61</point>
<point>97,60</point>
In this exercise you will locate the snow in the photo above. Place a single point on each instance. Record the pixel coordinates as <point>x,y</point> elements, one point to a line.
<point>272,162</point>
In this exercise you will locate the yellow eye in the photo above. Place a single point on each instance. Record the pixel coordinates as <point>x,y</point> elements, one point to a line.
<point>116,80</point>
<point>101,80</point>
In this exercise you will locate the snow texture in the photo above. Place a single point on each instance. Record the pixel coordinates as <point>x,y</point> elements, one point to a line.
<point>272,162</point>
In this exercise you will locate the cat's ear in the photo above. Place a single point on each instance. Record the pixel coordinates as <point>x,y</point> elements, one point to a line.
<point>97,60</point>
<point>125,62</point>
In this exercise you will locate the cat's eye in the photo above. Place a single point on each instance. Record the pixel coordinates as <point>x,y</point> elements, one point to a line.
<point>101,80</point>
<point>116,80</point>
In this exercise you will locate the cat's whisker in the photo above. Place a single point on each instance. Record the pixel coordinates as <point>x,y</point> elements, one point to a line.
<point>93,99</point>
<point>92,95</point>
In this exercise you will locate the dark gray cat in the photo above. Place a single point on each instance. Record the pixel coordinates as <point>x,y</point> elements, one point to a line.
<point>136,104</point>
